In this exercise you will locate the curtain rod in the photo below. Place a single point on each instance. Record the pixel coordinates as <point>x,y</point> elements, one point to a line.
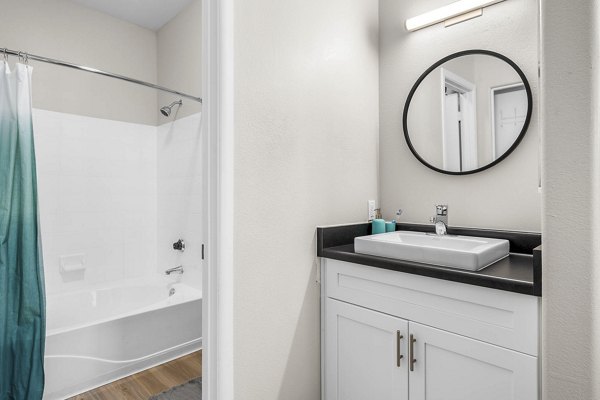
<point>26,56</point>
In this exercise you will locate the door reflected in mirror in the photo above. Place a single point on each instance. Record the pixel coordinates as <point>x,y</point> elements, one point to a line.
<point>467,112</point>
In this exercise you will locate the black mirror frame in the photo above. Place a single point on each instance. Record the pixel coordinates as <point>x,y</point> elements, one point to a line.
<point>442,61</point>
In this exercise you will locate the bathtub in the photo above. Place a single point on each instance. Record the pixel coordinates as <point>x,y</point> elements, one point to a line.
<point>97,336</point>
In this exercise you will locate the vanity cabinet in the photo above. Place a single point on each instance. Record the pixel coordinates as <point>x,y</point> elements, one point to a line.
<point>393,335</point>
<point>366,354</point>
<point>455,367</point>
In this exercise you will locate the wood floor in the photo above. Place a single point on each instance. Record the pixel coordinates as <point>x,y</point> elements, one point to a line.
<point>149,382</point>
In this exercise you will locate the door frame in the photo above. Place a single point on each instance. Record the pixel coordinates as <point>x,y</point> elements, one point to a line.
<point>469,91</point>
<point>217,271</point>
<point>493,109</point>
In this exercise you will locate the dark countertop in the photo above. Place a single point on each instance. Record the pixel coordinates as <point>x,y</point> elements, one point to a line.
<point>520,272</point>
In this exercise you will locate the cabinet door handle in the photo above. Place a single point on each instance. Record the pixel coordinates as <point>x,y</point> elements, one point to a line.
<point>399,356</point>
<point>411,352</point>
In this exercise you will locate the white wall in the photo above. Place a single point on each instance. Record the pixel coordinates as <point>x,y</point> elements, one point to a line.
<point>121,194</point>
<point>104,185</point>
<point>179,196</point>
<point>571,158</point>
<point>306,129</point>
<point>97,196</point>
<point>180,58</point>
<point>65,30</point>
<point>180,181</point>
<point>493,73</point>
<point>505,196</point>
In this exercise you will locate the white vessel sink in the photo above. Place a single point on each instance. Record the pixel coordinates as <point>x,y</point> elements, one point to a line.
<point>464,252</point>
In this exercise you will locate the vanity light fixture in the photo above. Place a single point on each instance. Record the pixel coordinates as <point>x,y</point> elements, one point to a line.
<point>453,13</point>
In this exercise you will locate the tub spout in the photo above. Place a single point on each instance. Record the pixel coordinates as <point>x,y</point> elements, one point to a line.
<point>176,270</point>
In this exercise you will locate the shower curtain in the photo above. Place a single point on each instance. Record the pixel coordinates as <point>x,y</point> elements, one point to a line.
<point>22,301</point>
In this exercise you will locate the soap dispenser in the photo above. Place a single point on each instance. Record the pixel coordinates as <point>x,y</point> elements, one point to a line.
<point>378,224</point>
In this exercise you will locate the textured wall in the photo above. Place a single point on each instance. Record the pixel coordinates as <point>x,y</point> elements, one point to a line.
<point>67,31</point>
<point>505,196</point>
<point>306,128</point>
<point>571,155</point>
<point>180,59</point>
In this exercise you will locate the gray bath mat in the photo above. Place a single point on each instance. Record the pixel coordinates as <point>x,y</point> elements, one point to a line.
<point>188,391</point>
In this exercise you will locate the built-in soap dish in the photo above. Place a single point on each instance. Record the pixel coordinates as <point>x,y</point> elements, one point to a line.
<point>72,264</point>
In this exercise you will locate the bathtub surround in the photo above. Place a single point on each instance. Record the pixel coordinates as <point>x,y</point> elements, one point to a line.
<point>98,188</point>
<point>119,194</point>
<point>98,156</point>
<point>22,300</point>
<point>179,196</point>
<point>105,188</point>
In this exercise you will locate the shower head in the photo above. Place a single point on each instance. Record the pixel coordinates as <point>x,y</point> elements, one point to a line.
<point>166,110</point>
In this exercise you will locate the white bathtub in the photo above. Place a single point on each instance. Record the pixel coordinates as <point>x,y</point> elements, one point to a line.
<point>95,337</point>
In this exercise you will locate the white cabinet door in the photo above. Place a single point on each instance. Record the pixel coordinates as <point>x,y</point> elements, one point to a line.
<point>365,354</point>
<point>454,367</point>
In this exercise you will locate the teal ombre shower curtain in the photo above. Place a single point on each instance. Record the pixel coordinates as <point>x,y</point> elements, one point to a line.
<point>22,302</point>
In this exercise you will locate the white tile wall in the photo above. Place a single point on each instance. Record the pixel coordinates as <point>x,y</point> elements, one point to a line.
<point>180,187</point>
<point>121,194</point>
<point>97,191</point>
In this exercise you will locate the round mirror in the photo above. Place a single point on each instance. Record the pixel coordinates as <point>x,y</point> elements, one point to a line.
<point>467,112</point>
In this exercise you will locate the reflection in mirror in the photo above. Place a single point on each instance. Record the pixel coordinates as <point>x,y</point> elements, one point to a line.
<point>467,112</point>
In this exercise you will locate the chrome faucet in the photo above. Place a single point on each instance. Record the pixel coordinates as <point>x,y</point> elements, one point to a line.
<point>175,270</point>
<point>440,219</point>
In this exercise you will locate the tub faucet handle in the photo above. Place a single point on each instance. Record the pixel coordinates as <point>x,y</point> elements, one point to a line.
<point>179,245</point>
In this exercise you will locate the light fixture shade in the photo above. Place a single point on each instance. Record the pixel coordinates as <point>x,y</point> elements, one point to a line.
<point>443,13</point>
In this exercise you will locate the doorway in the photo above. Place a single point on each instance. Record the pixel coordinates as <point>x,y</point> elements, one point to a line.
<point>509,110</point>
<point>459,122</point>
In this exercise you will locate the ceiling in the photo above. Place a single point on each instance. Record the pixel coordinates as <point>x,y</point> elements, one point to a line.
<point>150,14</point>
